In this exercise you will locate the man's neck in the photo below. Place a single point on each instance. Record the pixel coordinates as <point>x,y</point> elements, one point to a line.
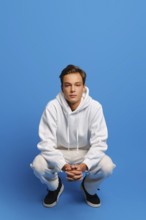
<point>73,106</point>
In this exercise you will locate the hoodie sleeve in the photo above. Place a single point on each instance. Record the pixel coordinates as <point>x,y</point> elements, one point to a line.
<point>48,138</point>
<point>98,137</point>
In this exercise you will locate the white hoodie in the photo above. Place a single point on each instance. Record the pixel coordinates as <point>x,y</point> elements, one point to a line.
<point>84,128</point>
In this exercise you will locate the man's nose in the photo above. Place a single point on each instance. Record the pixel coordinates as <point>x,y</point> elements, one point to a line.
<point>72,88</point>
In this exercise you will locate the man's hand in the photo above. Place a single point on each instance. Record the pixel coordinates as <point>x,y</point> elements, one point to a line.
<point>82,167</point>
<point>74,172</point>
<point>66,167</point>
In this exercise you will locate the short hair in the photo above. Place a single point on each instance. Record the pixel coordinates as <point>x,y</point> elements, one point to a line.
<point>73,69</point>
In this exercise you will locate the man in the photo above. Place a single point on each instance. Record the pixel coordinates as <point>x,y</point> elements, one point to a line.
<point>73,137</point>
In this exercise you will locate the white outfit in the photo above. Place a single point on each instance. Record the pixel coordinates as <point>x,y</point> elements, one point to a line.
<point>73,137</point>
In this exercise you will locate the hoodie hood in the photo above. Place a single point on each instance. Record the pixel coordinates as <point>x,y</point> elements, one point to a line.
<point>85,101</point>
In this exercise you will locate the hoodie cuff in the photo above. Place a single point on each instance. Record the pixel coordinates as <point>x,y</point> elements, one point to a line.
<point>60,165</point>
<point>88,163</point>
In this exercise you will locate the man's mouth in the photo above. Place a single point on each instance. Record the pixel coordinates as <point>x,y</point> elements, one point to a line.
<point>72,96</point>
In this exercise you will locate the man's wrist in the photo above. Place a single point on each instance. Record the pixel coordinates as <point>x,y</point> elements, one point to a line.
<point>83,167</point>
<point>66,167</point>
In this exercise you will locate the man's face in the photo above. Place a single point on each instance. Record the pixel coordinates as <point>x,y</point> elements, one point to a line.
<point>73,89</point>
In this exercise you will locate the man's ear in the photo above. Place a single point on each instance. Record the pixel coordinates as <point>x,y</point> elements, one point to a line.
<point>84,88</point>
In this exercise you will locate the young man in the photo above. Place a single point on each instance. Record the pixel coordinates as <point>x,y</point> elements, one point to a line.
<point>73,137</point>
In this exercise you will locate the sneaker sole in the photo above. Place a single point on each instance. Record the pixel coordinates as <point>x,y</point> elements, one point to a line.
<point>89,203</point>
<point>54,203</point>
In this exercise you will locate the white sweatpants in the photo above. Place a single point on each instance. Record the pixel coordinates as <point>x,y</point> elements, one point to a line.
<point>47,174</point>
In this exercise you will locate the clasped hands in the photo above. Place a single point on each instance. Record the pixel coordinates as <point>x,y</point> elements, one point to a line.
<point>74,172</point>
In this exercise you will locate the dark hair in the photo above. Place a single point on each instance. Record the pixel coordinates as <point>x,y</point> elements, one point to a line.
<point>72,69</point>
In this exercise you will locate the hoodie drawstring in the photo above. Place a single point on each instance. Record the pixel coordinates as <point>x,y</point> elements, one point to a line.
<point>68,138</point>
<point>77,140</point>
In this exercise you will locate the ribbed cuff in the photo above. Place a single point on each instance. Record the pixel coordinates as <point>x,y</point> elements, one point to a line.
<point>88,163</point>
<point>60,165</point>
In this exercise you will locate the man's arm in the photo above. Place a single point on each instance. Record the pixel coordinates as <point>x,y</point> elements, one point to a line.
<point>98,137</point>
<point>47,133</point>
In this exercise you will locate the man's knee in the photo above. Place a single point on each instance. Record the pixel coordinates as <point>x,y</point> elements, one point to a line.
<point>107,165</point>
<point>39,164</point>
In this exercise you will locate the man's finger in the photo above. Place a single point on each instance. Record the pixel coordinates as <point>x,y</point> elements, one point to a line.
<point>70,174</point>
<point>70,179</point>
<point>76,172</point>
<point>79,177</point>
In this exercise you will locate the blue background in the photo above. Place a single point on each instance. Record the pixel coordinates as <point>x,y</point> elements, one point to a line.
<point>108,40</point>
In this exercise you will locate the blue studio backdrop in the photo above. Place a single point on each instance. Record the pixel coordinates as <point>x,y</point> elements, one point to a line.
<point>108,40</point>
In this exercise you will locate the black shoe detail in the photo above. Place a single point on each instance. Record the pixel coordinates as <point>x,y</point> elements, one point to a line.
<point>52,197</point>
<point>92,200</point>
